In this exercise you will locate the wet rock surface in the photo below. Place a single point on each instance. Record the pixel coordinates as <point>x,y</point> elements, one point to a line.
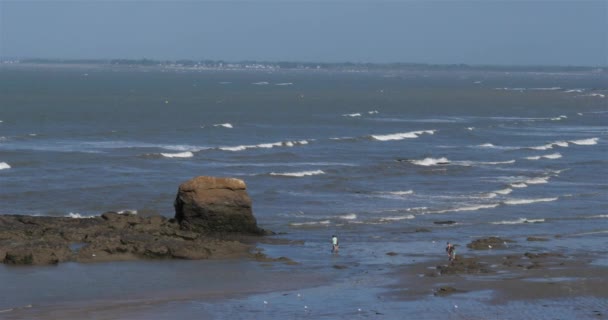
<point>49,240</point>
<point>213,220</point>
<point>489,243</point>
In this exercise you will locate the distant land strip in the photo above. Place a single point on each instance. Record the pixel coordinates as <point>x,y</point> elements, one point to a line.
<point>289,65</point>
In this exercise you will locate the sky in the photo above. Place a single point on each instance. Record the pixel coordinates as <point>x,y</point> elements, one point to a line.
<point>481,32</point>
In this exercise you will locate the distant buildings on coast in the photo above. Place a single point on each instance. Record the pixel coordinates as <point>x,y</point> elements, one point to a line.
<point>285,65</point>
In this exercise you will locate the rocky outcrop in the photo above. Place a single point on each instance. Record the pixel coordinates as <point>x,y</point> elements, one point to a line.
<point>489,243</point>
<point>112,236</point>
<point>213,220</point>
<point>218,205</point>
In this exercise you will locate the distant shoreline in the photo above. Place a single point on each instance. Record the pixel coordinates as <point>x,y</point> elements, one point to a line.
<point>217,65</point>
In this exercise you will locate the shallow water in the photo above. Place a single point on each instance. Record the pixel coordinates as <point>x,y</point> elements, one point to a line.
<point>372,157</point>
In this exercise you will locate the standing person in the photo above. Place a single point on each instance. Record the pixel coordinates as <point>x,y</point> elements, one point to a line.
<point>451,251</point>
<point>334,244</point>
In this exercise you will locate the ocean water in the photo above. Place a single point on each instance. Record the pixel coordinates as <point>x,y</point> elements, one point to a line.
<point>369,156</point>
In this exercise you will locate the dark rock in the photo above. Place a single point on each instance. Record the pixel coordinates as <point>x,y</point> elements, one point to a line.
<point>542,255</point>
<point>444,291</point>
<point>445,222</point>
<point>210,204</point>
<point>489,243</point>
<point>536,239</point>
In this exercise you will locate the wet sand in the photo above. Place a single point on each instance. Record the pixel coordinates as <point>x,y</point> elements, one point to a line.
<point>527,280</point>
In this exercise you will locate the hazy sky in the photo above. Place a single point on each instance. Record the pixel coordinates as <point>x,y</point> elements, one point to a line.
<point>512,32</point>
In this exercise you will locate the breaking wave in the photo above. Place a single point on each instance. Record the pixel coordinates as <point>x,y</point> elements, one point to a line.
<point>548,146</point>
<point>401,136</point>
<point>585,142</point>
<point>265,145</point>
<point>352,115</point>
<point>548,156</point>
<point>351,216</point>
<point>528,201</point>
<point>4,165</point>
<point>430,161</point>
<point>397,218</point>
<point>225,125</point>
<point>504,191</point>
<point>519,221</point>
<point>298,174</point>
<point>186,154</point>
<point>312,223</point>
<point>469,208</point>
<point>78,216</point>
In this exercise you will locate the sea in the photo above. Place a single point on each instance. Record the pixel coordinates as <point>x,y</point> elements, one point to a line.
<point>397,161</point>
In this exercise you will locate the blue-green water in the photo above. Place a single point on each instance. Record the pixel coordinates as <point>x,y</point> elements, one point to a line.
<point>369,156</point>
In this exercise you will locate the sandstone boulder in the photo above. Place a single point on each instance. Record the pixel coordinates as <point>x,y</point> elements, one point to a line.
<point>212,204</point>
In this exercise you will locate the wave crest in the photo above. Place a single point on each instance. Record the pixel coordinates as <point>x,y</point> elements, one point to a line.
<point>186,154</point>
<point>298,174</point>
<point>402,135</point>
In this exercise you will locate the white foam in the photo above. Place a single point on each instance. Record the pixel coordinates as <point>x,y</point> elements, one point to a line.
<point>261,83</point>
<point>298,174</point>
<point>540,180</point>
<point>127,211</point>
<point>528,201</point>
<point>225,125</point>
<point>486,145</point>
<point>553,156</point>
<point>599,216</point>
<point>574,90</point>
<point>519,221</point>
<point>265,145</point>
<point>545,147</point>
<point>401,136</point>
<point>518,185</point>
<point>352,115</point>
<point>488,195</point>
<point>401,193</point>
<point>237,148</point>
<point>430,161</point>
<point>533,158</point>
<point>78,216</point>
<point>495,162</point>
<point>470,208</point>
<point>504,191</point>
<point>186,154</point>
<point>599,95</point>
<point>397,218</point>
<point>283,84</point>
<point>4,165</point>
<point>546,89</point>
<point>585,142</point>
<point>559,118</point>
<point>351,216</point>
<point>563,144</point>
<point>225,82</point>
<point>373,112</point>
<point>312,223</point>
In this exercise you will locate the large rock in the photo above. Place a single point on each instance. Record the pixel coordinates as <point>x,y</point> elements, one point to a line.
<point>211,204</point>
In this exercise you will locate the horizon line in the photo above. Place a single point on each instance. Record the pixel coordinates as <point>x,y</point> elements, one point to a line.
<point>309,63</point>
